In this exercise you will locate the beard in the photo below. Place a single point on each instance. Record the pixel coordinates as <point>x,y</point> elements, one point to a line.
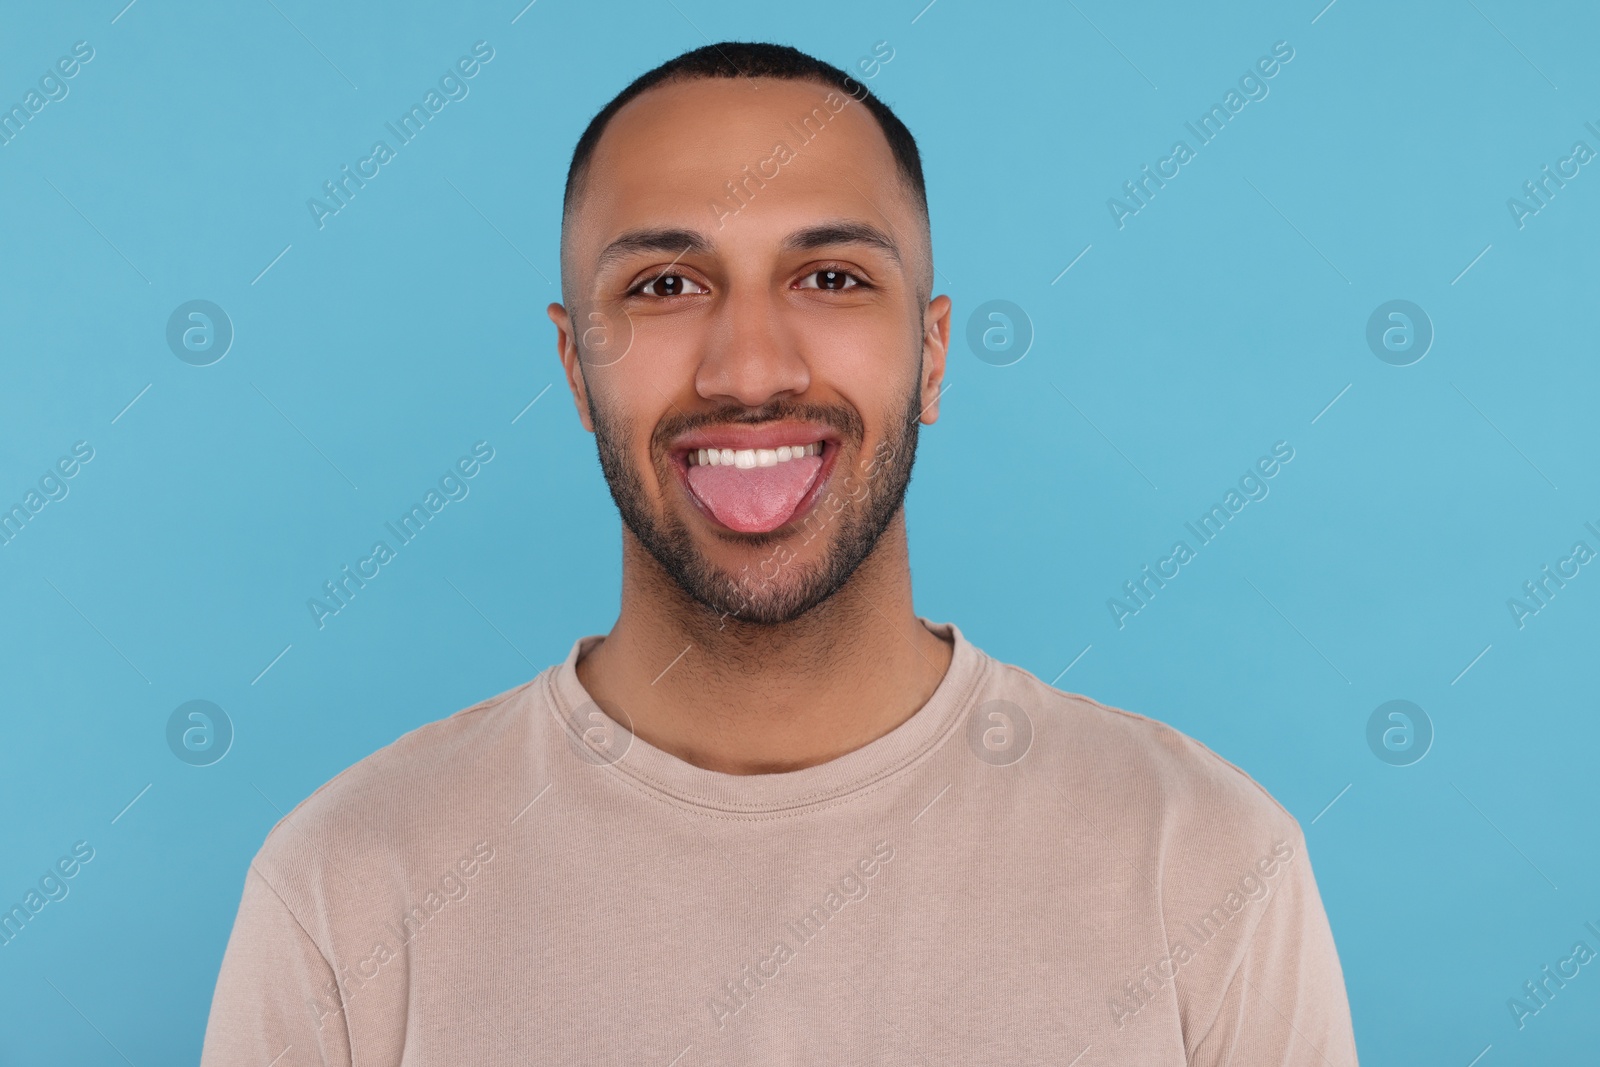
<point>856,524</point>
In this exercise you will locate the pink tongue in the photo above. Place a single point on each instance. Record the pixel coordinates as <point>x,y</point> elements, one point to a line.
<point>758,499</point>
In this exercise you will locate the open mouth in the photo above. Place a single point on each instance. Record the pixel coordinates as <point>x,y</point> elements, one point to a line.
<point>755,481</point>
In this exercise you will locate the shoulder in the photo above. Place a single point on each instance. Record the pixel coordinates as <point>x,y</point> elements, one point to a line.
<point>431,793</point>
<point>1145,777</point>
<point>1201,852</point>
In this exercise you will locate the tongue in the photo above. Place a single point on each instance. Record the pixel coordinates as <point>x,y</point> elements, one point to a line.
<point>757,499</point>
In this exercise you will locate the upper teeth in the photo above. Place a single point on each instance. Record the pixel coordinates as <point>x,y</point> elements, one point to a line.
<point>745,458</point>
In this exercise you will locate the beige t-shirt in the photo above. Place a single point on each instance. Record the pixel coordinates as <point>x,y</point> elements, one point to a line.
<point>1013,875</point>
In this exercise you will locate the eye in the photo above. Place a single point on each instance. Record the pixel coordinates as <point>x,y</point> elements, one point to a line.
<point>667,285</point>
<point>830,278</point>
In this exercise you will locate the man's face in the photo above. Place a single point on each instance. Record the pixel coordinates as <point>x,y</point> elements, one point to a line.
<point>746,280</point>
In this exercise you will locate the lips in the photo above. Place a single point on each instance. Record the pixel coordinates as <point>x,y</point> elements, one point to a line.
<point>755,479</point>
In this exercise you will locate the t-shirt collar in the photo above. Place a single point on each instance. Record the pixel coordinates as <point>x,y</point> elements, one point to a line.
<point>613,749</point>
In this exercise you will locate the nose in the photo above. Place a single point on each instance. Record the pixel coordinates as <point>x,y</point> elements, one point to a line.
<point>752,355</point>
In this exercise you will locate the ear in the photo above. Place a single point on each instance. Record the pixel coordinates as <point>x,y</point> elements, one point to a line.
<point>567,350</point>
<point>935,346</point>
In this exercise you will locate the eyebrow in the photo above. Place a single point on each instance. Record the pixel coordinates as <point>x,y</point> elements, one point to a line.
<point>683,242</point>
<point>842,233</point>
<point>677,241</point>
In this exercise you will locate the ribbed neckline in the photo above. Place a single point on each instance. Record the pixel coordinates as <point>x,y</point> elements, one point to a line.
<point>791,792</point>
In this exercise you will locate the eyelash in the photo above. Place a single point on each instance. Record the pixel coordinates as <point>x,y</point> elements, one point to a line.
<point>826,268</point>
<point>838,268</point>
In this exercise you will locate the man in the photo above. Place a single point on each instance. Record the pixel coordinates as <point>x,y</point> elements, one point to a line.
<point>774,816</point>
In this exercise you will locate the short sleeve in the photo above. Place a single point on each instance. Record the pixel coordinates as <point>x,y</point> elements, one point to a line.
<point>277,1001</point>
<point>1285,1003</point>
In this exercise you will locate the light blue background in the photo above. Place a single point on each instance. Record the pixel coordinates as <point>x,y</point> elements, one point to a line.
<point>1224,317</point>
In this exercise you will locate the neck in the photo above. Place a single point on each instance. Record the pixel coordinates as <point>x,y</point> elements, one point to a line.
<point>739,698</point>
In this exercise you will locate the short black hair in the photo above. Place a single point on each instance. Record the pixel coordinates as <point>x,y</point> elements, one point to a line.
<point>754,59</point>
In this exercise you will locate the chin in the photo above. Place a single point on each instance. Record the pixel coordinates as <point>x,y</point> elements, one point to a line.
<point>763,601</point>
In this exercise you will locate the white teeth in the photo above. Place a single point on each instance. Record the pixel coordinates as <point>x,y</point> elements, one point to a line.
<point>747,458</point>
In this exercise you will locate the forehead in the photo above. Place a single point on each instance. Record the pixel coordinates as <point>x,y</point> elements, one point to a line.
<point>668,156</point>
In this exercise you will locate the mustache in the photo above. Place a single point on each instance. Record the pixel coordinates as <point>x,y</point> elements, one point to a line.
<point>838,417</point>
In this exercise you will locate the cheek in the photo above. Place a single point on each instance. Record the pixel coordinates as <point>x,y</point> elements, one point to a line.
<point>870,363</point>
<point>627,409</point>
<point>646,360</point>
<point>605,336</point>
